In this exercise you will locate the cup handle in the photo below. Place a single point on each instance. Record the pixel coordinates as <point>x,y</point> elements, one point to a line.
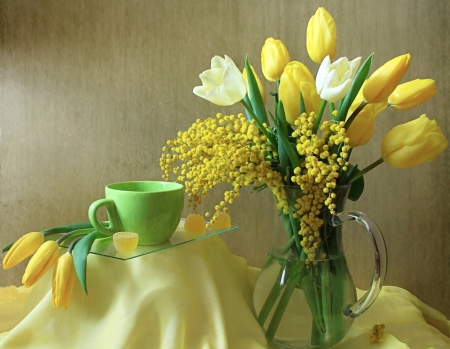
<point>380,251</point>
<point>112,216</point>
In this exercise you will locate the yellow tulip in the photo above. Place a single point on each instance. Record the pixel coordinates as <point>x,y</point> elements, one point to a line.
<point>295,78</point>
<point>310,96</point>
<point>361,129</point>
<point>258,81</point>
<point>45,257</point>
<point>274,58</point>
<point>321,36</point>
<point>299,72</point>
<point>413,143</point>
<point>64,276</point>
<point>23,248</point>
<point>412,93</point>
<point>385,79</point>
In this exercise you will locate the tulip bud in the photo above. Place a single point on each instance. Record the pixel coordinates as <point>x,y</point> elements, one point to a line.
<point>385,79</point>
<point>362,128</point>
<point>297,78</point>
<point>45,257</point>
<point>63,280</point>
<point>23,248</point>
<point>412,93</point>
<point>274,58</point>
<point>258,81</point>
<point>321,36</point>
<point>413,143</point>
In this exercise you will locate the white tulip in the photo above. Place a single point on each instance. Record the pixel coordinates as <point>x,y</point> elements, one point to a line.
<point>223,84</point>
<point>334,80</point>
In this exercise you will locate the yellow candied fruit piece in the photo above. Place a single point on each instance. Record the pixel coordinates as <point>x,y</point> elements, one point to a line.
<point>223,221</point>
<point>194,226</point>
<point>125,241</point>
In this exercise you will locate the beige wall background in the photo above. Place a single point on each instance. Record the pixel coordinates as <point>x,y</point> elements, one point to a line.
<point>90,90</point>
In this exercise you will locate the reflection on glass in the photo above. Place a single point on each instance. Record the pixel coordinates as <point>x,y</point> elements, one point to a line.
<point>105,247</point>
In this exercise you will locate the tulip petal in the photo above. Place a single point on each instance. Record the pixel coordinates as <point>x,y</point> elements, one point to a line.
<point>22,249</point>
<point>218,95</point>
<point>335,94</point>
<point>234,83</point>
<point>45,257</point>
<point>212,77</point>
<point>322,74</point>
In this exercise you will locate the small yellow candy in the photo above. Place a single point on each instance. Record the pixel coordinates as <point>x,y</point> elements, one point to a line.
<point>125,241</point>
<point>194,226</point>
<point>223,221</point>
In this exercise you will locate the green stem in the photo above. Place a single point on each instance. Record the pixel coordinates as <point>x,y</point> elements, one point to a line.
<point>332,109</point>
<point>260,125</point>
<point>319,116</point>
<point>73,243</point>
<point>71,234</point>
<point>284,300</point>
<point>271,298</point>
<point>326,301</point>
<point>367,169</point>
<point>354,115</point>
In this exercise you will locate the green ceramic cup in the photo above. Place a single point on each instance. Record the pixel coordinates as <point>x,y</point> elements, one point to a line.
<point>151,209</point>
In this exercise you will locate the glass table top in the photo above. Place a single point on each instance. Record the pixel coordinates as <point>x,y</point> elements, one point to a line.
<point>105,246</point>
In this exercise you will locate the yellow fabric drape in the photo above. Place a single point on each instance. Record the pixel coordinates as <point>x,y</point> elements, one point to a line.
<point>193,296</point>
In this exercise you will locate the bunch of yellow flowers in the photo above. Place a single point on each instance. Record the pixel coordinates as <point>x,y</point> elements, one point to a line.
<point>294,147</point>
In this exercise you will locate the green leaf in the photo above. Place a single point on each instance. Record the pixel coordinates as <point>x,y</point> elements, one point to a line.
<point>247,113</point>
<point>80,253</point>
<point>284,141</point>
<point>357,187</point>
<point>358,81</point>
<point>68,228</point>
<point>255,95</point>
<point>7,248</point>
<point>302,104</point>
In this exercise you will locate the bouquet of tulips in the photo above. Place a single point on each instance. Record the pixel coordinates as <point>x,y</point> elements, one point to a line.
<point>293,145</point>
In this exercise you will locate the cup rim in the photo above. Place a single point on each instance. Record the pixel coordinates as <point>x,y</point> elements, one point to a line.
<point>171,186</point>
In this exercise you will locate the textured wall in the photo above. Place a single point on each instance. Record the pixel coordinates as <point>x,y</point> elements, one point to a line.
<point>91,89</point>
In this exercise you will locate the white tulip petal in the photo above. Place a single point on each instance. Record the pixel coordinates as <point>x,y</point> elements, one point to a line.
<point>200,91</point>
<point>219,96</point>
<point>335,94</point>
<point>341,66</point>
<point>218,62</point>
<point>322,73</point>
<point>354,65</point>
<point>212,77</point>
<point>332,80</point>
<point>234,83</point>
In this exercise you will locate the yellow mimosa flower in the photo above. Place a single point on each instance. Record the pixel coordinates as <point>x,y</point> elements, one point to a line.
<point>413,143</point>
<point>274,58</point>
<point>23,248</point>
<point>295,78</point>
<point>258,81</point>
<point>321,36</point>
<point>45,257</point>
<point>361,129</point>
<point>385,79</point>
<point>63,280</point>
<point>412,93</point>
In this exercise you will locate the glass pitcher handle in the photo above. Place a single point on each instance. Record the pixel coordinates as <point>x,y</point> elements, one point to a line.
<point>379,247</point>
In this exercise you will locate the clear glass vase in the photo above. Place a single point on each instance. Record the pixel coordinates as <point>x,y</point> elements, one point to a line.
<point>305,304</point>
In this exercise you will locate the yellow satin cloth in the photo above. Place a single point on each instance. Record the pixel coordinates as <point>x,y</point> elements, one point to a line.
<point>194,296</point>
